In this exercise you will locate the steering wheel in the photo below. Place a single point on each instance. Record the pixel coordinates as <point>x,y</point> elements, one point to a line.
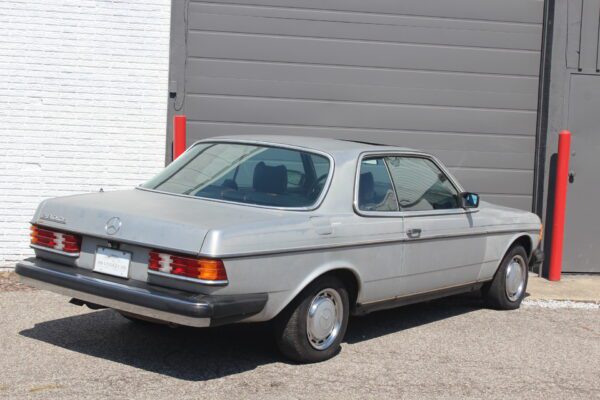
<point>316,185</point>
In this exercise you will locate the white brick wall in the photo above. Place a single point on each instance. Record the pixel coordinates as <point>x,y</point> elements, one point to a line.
<point>83,90</point>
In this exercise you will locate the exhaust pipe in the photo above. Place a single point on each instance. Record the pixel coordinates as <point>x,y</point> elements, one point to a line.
<point>91,306</point>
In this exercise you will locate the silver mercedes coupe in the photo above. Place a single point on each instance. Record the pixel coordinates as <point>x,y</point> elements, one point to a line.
<point>300,231</point>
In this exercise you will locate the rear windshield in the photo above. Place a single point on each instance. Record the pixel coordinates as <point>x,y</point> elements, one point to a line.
<point>246,173</point>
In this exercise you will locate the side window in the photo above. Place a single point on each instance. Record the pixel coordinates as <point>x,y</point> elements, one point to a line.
<point>321,166</point>
<point>375,190</point>
<point>421,185</point>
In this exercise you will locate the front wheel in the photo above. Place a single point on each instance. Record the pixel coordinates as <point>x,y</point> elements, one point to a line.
<point>507,289</point>
<point>312,327</point>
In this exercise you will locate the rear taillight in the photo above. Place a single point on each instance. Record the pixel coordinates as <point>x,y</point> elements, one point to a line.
<point>206,269</point>
<point>51,239</point>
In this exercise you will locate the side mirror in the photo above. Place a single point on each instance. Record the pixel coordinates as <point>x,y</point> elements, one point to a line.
<point>469,200</point>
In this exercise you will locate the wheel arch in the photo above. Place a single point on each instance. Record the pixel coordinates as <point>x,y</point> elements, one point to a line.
<point>523,239</point>
<point>348,274</point>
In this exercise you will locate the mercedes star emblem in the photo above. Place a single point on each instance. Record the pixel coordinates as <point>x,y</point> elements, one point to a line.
<point>113,225</point>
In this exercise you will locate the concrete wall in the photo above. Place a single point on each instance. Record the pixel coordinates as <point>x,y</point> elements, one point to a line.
<point>83,90</point>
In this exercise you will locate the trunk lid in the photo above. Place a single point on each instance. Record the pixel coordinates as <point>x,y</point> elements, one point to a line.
<point>150,219</point>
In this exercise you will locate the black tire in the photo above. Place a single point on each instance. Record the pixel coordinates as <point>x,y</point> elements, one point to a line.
<point>291,325</point>
<point>495,293</point>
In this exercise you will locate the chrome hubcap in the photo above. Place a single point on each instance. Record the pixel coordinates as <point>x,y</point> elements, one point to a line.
<point>324,319</point>
<point>515,278</point>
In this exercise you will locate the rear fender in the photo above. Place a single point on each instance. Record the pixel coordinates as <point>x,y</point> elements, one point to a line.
<point>316,273</point>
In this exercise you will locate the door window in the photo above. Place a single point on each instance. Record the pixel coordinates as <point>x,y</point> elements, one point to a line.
<point>375,190</point>
<point>420,185</point>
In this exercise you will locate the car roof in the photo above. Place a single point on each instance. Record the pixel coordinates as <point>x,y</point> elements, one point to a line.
<point>327,145</point>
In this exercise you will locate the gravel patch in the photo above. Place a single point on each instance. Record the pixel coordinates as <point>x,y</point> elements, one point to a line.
<point>10,283</point>
<point>559,304</point>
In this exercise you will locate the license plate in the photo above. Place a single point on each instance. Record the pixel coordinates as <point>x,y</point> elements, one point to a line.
<point>112,262</point>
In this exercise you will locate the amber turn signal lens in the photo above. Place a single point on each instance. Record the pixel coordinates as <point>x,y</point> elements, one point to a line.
<point>206,269</point>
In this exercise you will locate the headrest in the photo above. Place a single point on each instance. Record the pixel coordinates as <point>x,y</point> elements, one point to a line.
<point>270,179</point>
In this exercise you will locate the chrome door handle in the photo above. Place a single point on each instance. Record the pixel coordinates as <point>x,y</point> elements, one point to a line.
<point>414,233</point>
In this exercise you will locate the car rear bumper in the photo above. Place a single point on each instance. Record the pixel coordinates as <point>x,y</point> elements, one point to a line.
<point>140,298</point>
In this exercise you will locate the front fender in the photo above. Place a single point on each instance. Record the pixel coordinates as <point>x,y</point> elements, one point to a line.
<point>498,246</point>
<point>533,241</point>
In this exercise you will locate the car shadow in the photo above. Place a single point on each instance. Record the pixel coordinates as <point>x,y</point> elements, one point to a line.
<point>205,354</point>
<point>386,322</point>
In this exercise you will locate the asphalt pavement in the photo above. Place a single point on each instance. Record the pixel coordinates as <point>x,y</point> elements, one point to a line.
<point>445,349</point>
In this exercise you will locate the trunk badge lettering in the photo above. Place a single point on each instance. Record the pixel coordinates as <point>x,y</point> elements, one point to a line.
<point>54,218</point>
<point>113,225</point>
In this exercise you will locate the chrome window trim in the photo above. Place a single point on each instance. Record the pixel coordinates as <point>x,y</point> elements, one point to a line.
<point>187,279</point>
<point>387,168</point>
<point>405,153</point>
<point>50,250</point>
<point>428,213</point>
<point>374,213</point>
<point>311,207</point>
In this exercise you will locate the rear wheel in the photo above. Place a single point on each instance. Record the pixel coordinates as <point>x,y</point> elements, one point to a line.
<point>507,289</point>
<point>312,327</point>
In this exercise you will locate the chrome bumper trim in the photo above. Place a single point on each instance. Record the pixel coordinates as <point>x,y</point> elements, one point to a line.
<point>185,278</point>
<point>138,297</point>
<point>118,305</point>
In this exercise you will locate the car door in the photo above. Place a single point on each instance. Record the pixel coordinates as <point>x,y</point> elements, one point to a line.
<point>443,247</point>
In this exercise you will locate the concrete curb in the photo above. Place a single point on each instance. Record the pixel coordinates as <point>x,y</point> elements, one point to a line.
<point>574,288</point>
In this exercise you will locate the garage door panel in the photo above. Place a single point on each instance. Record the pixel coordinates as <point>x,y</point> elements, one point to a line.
<point>372,54</point>
<point>359,93</point>
<point>360,115</point>
<point>521,202</point>
<point>426,20</point>
<point>527,11</point>
<point>485,159</point>
<point>496,181</point>
<point>508,145</point>
<point>398,29</point>
<point>457,78</point>
<point>297,72</point>
<point>431,140</point>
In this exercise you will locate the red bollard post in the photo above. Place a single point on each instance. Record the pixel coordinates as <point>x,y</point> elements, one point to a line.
<point>179,135</point>
<point>560,204</point>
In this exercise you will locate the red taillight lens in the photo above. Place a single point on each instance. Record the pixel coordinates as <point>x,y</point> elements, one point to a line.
<point>52,239</point>
<point>198,268</point>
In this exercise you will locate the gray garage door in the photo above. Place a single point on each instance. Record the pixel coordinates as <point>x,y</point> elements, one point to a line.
<point>458,78</point>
